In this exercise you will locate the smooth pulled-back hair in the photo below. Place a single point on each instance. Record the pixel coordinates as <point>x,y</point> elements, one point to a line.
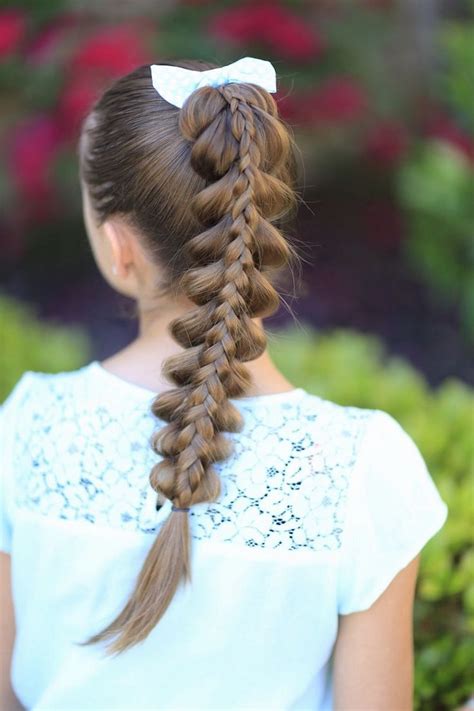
<point>206,186</point>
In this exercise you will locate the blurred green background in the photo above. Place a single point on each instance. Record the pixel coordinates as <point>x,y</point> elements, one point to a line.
<point>379,94</point>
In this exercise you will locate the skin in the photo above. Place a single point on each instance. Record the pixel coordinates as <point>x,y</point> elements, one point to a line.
<point>373,654</point>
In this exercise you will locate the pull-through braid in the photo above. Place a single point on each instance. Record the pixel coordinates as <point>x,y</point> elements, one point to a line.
<point>228,285</point>
<point>241,149</point>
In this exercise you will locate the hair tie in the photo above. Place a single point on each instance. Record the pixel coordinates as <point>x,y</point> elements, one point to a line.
<point>175,84</point>
<point>177,508</point>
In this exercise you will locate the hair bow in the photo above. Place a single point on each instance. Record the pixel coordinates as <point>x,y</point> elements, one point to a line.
<point>175,84</point>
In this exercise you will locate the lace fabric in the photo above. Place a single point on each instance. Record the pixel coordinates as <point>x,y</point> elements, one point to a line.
<point>82,453</point>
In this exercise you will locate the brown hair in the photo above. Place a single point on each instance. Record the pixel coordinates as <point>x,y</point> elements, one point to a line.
<point>206,186</point>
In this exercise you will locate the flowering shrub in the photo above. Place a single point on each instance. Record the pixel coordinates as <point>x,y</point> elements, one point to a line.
<point>358,110</point>
<point>356,107</point>
<point>337,100</point>
<point>386,143</point>
<point>325,80</point>
<point>435,185</point>
<point>12,31</point>
<point>30,169</point>
<point>271,25</point>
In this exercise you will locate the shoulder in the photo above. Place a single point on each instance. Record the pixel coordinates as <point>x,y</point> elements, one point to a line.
<point>380,454</point>
<point>389,460</point>
<point>308,424</point>
<point>341,423</point>
<point>32,380</point>
<point>388,445</point>
<point>393,508</point>
<point>35,392</point>
<point>377,430</point>
<point>391,482</point>
<point>40,415</point>
<point>340,438</point>
<point>310,405</point>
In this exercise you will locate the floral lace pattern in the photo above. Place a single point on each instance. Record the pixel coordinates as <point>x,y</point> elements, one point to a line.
<point>82,453</point>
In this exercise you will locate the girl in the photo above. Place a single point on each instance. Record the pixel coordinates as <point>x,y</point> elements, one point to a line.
<point>187,529</point>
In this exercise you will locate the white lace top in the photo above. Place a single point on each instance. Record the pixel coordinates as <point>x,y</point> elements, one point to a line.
<point>321,506</point>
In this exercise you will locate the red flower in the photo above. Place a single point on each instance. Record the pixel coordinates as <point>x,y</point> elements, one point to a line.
<point>113,51</point>
<point>293,40</point>
<point>444,128</point>
<point>12,31</point>
<point>33,147</point>
<point>270,24</point>
<point>236,25</point>
<point>339,99</point>
<point>386,143</point>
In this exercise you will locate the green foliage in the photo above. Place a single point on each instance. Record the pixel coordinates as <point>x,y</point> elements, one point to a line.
<point>354,369</point>
<point>435,188</point>
<point>457,79</point>
<point>39,12</point>
<point>435,184</point>
<point>28,344</point>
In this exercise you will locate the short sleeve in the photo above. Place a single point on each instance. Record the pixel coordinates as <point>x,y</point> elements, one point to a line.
<point>393,508</point>
<point>8,422</point>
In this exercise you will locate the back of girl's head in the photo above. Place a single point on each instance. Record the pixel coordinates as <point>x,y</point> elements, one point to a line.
<point>205,186</point>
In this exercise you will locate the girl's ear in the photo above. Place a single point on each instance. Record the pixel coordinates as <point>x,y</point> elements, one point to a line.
<point>119,247</point>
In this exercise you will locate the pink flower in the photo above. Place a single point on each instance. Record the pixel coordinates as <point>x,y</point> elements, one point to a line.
<point>445,129</point>
<point>270,24</point>
<point>33,146</point>
<point>293,40</point>
<point>12,31</point>
<point>339,99</point>
<point>386,143</point>
<point>236,25</point>
<point>113,51</point>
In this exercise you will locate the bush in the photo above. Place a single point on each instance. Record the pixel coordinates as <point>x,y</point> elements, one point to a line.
<point>435,190</point>
<point>354,369</point>
<point>28,344</point>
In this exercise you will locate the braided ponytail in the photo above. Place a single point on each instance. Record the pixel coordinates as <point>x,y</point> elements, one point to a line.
<point>242,153</point>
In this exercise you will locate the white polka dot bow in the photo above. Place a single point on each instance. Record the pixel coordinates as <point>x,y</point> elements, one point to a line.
<point>175,84</point>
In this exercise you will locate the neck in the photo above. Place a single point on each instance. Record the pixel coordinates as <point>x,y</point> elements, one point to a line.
<point>141,361</point>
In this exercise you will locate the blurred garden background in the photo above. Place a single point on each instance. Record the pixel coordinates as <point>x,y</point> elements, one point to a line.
<point>380,97</point>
